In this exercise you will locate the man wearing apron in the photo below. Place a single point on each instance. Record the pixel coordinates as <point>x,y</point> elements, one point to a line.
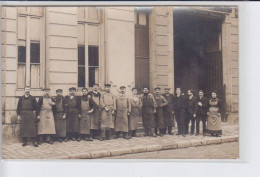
<point>59,111</point>
<point>123,109</point>
<point>25,107</point>
<point>86,104</point>
<point>148,111</point>
<point>107,112</point>
<point>159,116</point>
<point>168,111</point>
<point>95,116</point>
<point>46,125</point>
<point>73,114</point>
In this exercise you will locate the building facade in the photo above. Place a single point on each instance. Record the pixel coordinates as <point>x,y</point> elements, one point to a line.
<point>61,47</point>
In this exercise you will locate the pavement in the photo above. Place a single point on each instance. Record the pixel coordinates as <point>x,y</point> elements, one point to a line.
<point>117,147</point>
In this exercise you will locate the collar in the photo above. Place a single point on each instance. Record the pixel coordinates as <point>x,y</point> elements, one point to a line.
<point>122,95</point>
<point>26,95</point>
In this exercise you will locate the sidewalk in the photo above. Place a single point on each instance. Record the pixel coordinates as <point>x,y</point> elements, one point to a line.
<point>115,147</point>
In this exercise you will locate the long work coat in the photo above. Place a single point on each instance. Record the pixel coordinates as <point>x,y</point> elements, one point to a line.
<point>73,111</point>
<point>122,107</point>
<point>86,104</point>
<point>107,100</point>
<point>59,110</point>
<point>159,116</point>
<point>168,109</point>
<point>25,108</point>
<point>46,124</point>
<point>135,114</point>
<point>149,105</point>
<point>95,116</point>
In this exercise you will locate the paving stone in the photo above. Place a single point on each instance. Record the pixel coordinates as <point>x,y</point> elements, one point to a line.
<point>153,148</point>
<point>118,152</point>
<point>139,149</point>
<point>99,154</point>
<point>214,141</point>
<point>169,146</point>
<point>229,139</point>
<point>83,155</point>
<point>194,143</point>
<point>183,144</point>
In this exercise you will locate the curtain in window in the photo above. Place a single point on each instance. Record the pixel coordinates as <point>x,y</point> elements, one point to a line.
<point>21,76</point>
<point>35,76</point>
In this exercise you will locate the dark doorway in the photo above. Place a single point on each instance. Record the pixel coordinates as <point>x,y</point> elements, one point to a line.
<point>197,52</point>
<point>142,50</point>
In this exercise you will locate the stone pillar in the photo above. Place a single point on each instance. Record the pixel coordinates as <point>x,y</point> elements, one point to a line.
<point>119,46</point>
<point>161,47</point>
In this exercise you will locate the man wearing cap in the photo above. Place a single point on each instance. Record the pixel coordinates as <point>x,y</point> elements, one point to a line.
<point>107,103</point>
<point>72,114</point>
<point>202,113</point>
<point>25,107</point>
<point>179,106</point>
<point>148,111</point>
<point>86,104</point>
<point>191,112</point>
<point>59,111</point>
<point>168,111</point>
<point>123,109</point>
<point>95,116</point>
<point>159,116</point>
<point>135,114</point>
<point>46,125</point>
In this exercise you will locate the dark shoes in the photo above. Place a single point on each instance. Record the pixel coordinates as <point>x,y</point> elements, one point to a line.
<point>161,135</point>
<point>35,144</point>
<point>79,139</point>
<point>24,144</point>
<point>154,135</point>
<point>127,137</point>
<point>101,139</point>
<point>197,134</point>
<point>60,139</point>
<point>183,135</point>
<point>178,134</point>
<point>66,140</point>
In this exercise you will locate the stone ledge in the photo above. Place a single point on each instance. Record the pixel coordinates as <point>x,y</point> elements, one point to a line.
<point>151,148</point>
<point>100,154</point>
<point>213,141</point>
<point>169,146</point>
<point>183,144</point>
<point>119,152</point>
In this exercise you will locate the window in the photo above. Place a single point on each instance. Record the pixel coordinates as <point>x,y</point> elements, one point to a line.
<point>30,32</point>
<point>93,65</point>
<point>88,46</point>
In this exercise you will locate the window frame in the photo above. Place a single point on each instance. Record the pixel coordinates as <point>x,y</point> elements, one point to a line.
<point>86,21</point>
<point>28,14</point>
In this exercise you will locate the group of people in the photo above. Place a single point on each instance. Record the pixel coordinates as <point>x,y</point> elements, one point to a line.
<point>99,115</point>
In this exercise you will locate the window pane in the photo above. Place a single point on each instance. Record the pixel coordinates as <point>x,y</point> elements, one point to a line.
<point>93,76</point>
<point>35,53</point>
<point>93,55</point>
<point>81,55</point>
<point>35,76</point>
<point>21,76</point>
<point>21,54</point>
<point>81,76</point>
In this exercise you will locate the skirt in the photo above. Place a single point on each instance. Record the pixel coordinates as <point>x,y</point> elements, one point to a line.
<point>214,122</point>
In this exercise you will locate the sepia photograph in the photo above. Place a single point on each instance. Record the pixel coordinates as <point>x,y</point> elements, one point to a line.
<point>120,82</point>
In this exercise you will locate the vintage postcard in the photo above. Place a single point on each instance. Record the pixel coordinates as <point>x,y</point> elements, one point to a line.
<point>120,82</point>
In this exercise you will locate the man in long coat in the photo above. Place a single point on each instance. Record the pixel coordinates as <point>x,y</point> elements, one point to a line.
<point>73,114</point>
<point>59,111</point>
<point>159,116</point>
<point>25,107</point>
<point>107,112</point>
<point>135,114</point>
<point>86,105</point>
<point>123,109</point>
<point>46,125</point>
<point>169,111</point>
<point>95,116</point>
<point>148,112</point>
<point>191,112</point>
<point>202,113</point>
<point>179,106</point>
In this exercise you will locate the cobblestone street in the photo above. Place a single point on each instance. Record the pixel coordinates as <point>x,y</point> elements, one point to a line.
<point>116,147</point>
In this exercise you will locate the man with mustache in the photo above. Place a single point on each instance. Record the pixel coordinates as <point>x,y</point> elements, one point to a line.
<point>25,107</point>
<point>73,114</point>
